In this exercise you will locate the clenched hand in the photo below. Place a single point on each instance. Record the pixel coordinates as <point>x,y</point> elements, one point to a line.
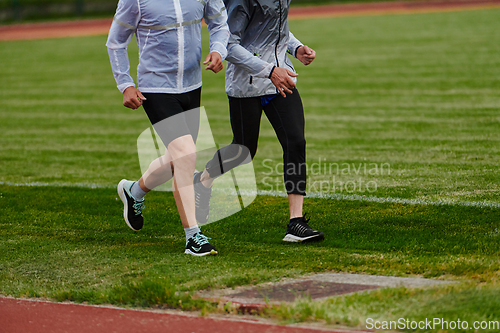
<point>214,61</point>
<point>305,54</point>
<point>133,98</point>
<point>282,80</point>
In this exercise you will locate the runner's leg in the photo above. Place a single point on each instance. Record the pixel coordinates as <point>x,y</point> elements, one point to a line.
<point>287,118</point>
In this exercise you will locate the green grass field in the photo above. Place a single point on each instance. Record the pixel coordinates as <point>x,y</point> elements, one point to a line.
<point>417,94</point>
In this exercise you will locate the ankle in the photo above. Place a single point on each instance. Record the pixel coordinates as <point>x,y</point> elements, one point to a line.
<point>205,179</point>
<point>296,219</point>
<point>191,231</point>
<point>137,192</point>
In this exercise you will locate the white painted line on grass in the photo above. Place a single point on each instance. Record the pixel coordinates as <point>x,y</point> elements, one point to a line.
<point>40,184</point>
<point>371,198</point>
<point>330,196</point>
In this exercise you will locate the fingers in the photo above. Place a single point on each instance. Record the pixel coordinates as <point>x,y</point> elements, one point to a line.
<point>288,80</point>
<point>140,96</point>
<point>285,91</point>
<point>208,59</point>
<point>133,103</point>
<point>132,98</point>
<point>289,84</point>
<point>215,62</point>
<point>307,61</point>
<point>308,50</point>
<point>282,80</point>
<point>307,55</point>
<point>292,74</point>
<point>215,66</point>
<point>311,55</point>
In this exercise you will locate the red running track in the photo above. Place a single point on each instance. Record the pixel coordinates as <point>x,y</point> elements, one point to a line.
<point>27,316</point>
<point>101,26</point>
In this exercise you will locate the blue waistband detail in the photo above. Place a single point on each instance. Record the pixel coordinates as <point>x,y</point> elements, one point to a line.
<point>264,100</point>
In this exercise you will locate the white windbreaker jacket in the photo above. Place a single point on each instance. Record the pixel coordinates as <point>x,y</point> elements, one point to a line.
<point>169,39</point>
<point>259,41</point>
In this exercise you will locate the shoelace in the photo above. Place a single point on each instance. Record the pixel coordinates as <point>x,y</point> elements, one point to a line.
<point>301,227</point>
<point>138,207</point>
<point>200,239</point>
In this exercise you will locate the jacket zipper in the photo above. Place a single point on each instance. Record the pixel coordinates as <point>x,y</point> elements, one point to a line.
<point>251,77</point>
<point>279,37</point>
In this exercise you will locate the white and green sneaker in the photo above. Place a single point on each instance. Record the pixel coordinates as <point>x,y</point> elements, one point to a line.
<point>132,208</point>
<point>199,246</point>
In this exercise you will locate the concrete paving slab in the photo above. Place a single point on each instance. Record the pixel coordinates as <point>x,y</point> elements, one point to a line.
<point>377,280</point>
<point>315,287</point>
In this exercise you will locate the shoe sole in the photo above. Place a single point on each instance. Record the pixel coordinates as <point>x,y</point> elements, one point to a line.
<point>211,253</point>
<point>294,239</point>
<point>121,194</point>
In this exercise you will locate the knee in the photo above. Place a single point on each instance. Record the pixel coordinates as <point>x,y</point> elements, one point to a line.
<point>249,153</point>
<point>296,143</point>
<point>249,147</point>
<point>252,153</point>
<point>237,154</point>
<point>183,149</point>
<point>188,157</point>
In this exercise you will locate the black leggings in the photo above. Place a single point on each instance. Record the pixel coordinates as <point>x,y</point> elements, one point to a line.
<point>286,115</point>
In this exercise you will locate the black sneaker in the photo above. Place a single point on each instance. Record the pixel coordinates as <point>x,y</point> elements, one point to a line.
<point>199,246</point>
<point>299,231</point>
<point>132,208</point>
<point>201,199</point>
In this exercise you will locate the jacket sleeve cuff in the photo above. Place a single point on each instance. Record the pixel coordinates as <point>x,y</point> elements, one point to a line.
<point>296,49</point>
<point>122,87</point>
<point>271,73</point>
<point>220,49</point>
<point>266,71</point>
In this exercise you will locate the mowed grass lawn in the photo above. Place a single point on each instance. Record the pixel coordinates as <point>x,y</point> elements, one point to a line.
<point>418,94</point>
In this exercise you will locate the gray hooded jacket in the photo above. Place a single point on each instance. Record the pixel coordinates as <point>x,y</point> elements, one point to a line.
<point>259,41</point>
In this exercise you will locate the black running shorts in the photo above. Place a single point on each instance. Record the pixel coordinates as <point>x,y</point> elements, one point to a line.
<point>174,115</point>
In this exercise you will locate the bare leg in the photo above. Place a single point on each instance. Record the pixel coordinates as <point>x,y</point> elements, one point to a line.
<point>183,152</point>
<point>181,157</point>
<point>159,172</point>
<point>205,179</point>
<point>178,202</point>
<point>143,186</point>
<point>295,203</point>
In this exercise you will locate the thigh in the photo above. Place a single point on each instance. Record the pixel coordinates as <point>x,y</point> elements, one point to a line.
<point>245,116</point>
<point>190,100</point>
<point>169,118</point>
<point>159,106</point>
<point>190,103</point>
<point>286,115</point>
